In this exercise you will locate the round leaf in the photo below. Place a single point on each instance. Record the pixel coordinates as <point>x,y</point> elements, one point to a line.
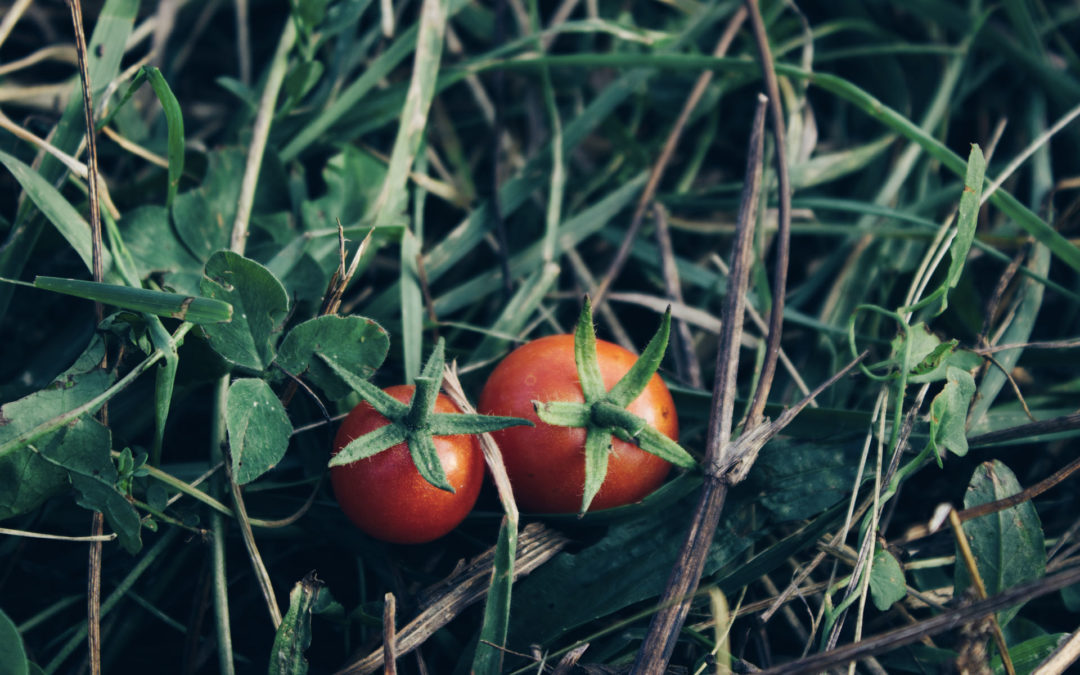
<point>1008,545</point>
<point>12,653</point>
<point>259,304</point>
<point>352,342</point>
<point>258,427</point>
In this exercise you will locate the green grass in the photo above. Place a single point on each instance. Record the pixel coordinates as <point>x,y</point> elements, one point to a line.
<point>496,153</point>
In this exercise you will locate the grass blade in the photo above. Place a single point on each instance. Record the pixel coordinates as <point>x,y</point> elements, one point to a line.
<point>159,303</point>
<point>489,650</point>
<point>174,118</point>
<point>57,210</point>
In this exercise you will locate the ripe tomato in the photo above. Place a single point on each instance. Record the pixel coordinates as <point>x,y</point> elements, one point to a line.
<point>385,495</point>
<point>546,463</point>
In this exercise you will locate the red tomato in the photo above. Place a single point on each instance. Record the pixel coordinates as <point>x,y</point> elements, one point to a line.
<point>385,495</point>
<point>546,464</point>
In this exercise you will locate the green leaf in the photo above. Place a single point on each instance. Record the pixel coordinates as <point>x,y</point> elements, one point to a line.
<point>57,210</point>
<point>204,216</point>
<point>926,349</point>
<point>562,413</point>
<point>175,120</point>
<point>1029,298</point>
<point>830,166</point>
<point>309,13</point>
<point>933,366</point>
<point>1027,655</point>
<point>164,381</point>
<point>259,305</point>
<point>1070,597</point>
<point>597,451</point>
<point>173,305</point>
<point>966,219</point>
<point>629,564</point>
<point>293,636</point>
<point>630,386</point>
<point>426,458</point>
<point>352,181</point>
<point>1008,546</point>
<point>887,584</point>
<point>588,366</point>
<point>84,451</point>
<point>155,247</point>
<point>301,78</point>
<point>26,478</point>
<point>452,424</point>
<point>371,443</point>
<point>796,479</point>
<point>77,452</point>
<point>353,342</point>
<point>13,659</point>
<point>488,659</point>
<point>259,429</point>
<point>948,413</point>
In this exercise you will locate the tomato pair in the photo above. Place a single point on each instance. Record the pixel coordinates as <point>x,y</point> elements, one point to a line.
<point>593,407</point>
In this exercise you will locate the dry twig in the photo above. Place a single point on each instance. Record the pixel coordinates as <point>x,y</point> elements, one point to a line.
<point>390,635</point>
<point>950,620</point>
<point>783,233</point>
<point>97,527</point>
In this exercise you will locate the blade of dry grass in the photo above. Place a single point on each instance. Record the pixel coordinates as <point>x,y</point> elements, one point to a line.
<point>950,620</point>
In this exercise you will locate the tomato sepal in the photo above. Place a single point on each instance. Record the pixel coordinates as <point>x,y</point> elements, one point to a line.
<point>384,404</point>
<point>433,367</point>
<point>369,445</point>
<point>617,421</point>
<point>426,458</point>
<point>562,413</point>
<point>637,378</point>
<point>652,441</point>
<point>446,424</point>
<point>604,412</point>
<point>588,365</point>
<point>597,452</point>
<point>414,424</point>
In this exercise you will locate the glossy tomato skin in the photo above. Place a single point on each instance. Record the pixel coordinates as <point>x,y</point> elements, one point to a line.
<point>546,464</point>
<point>385,495</point>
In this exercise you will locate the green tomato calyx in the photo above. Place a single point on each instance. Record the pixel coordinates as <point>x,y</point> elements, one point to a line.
<point>604,412</point>
<point>415,423</point>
